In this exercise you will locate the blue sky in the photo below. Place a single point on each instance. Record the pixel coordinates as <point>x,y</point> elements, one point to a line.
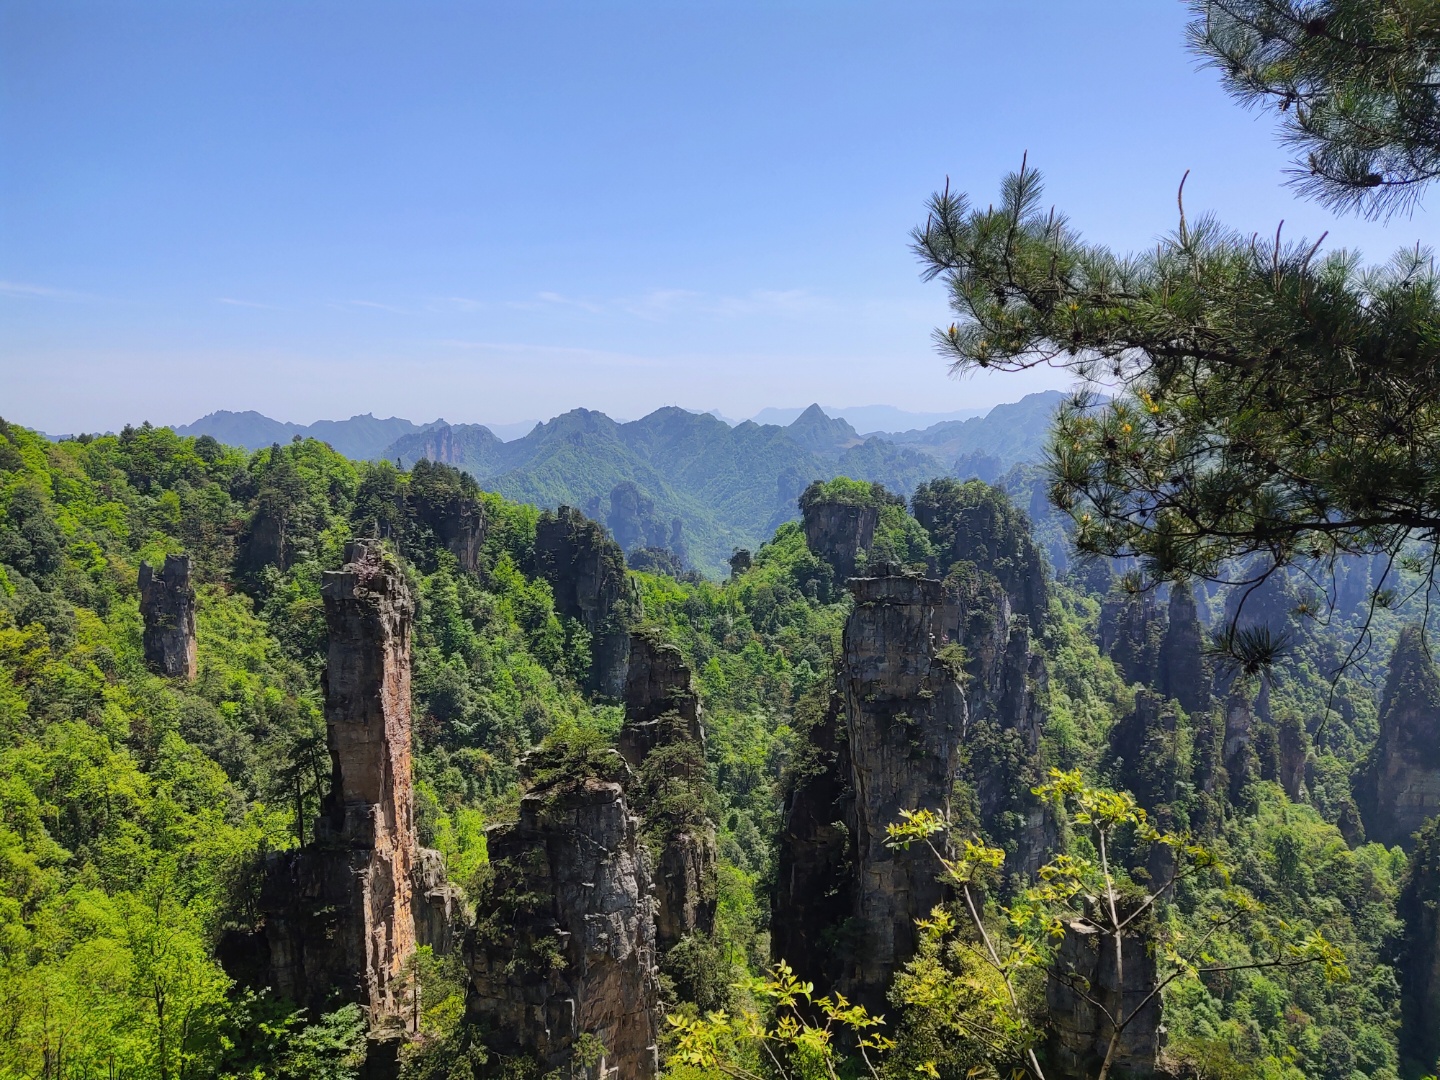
<point>495,212</point>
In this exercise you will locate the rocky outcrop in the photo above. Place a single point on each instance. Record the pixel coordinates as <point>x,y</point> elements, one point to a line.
<point>167,604</point>
<point>343,914</point>
<point>1400,787</point>
<point>564,946</point>
<point>1130,634</point>
<point>662,738</point>
<point>586,570</point>
<point>1086,990</point>
<point>1181,673</point>
<point>1006,686</point>
<point>658,685</point>
<point>905,719</point>
<point>815,874</point>
<point>839,531</point>
<point>445,502</point>
<point>1418,960</point>
<point>1238,752</point>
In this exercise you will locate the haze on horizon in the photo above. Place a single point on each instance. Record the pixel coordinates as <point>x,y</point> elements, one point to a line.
<point>496,213</point>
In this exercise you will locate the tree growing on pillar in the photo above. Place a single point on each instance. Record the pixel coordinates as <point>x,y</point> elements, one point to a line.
<point>1101,946</point>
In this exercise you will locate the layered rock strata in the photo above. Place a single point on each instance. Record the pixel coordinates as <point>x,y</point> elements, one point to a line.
<point>905,718</point>
<point>343,914</point>
<point>586,570</point>
<point>1400,788</point>
<point>564,954</point>
<point>167,605</point>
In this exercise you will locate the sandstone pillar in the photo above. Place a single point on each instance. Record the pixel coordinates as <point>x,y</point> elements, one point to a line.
<point>167,604</point>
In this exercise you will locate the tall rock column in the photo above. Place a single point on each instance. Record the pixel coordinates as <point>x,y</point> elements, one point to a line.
<point>663,739</point>
<point>1087,988</point>
<point>586,570</point>
<point>839,531</point>
<point>340,916</point>
<point>1400,788</point>
<point>167,604</point>
<point>564,946</point>
<point>906,715</point>
<point>1182,674</point>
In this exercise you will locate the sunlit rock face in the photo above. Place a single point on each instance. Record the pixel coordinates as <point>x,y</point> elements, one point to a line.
<point>662,717</point>
<point>167,605</point>
<point>1400,788</point>
<point>838,532</point>
<point>564,946</point>
<point>344,913</point>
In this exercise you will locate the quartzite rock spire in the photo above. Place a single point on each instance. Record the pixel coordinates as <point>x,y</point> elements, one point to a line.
<point>167,604</point>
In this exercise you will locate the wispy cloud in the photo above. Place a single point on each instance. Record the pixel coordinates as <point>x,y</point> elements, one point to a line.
<point>27,290</point>
<point>657,305</point>
<point>568,353</point>
<point>245,303</point>
<point>377,306</point>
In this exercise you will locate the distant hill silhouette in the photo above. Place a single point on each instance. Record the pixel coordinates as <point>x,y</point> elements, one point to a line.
<point>674,479</point>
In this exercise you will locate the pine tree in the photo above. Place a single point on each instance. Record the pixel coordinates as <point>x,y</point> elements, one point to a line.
<point>1274,401</point>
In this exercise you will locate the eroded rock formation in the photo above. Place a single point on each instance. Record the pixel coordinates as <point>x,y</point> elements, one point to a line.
<point>1400,788</point>
<point>340,912</point>
<point>344,913</point>
<point>445,502</point>
<point>839,531</point>
<point>1086,990</point>
<point>586,570</point>
<point>167,604</point>
<point>564,946</point>
<point>662,738</point>
<point>1130,632</point>
<point>1005,689</point>
<point>815,874</point>
<point>1181,673</point>
<point>905,718</point>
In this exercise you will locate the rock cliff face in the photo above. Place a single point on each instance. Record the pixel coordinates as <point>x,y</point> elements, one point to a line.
<point>167,604</point>
<point>565,943</point>
<point>838,532</point>
<point>1419,962</point>
<point>1400,788</point>
<point>663,739</point>
<point>658,685</point>
<point>1084,988</point>
<point>815,872</point>
<point>446,505</point>
<point>1006,688</point>
<point>1130,634</point>
<point>1238,754</point>
<point>905,718</point>
<point>1181,673</point>
<point>342,915</point>
<point>586,569</point>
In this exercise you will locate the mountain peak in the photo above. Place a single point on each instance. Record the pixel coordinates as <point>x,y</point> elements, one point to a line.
<point>820,433</point>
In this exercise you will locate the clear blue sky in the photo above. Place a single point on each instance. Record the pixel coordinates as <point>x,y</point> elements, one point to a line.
<point>494,212</point>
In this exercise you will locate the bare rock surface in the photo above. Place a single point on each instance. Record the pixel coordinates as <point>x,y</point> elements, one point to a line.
<point>1400,787</point>
<point>564,946</point>
<point>167,604</point>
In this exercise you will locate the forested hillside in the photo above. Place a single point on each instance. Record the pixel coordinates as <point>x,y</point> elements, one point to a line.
<point>709,767</point>
<point>726,487</point>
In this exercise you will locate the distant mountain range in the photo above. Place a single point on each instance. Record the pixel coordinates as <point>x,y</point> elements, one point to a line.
<point>676,479</point>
